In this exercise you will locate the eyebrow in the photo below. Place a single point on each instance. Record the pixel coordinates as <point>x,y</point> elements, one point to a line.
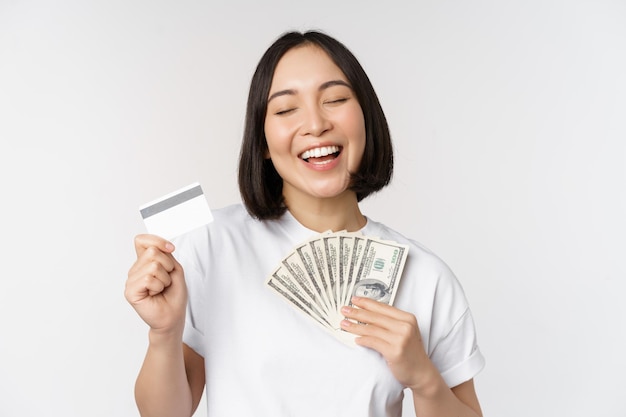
<point>324,86</point>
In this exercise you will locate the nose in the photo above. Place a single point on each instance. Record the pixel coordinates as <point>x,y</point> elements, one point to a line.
<point>315,122</point>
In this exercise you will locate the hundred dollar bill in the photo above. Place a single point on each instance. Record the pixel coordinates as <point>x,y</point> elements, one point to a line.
<point>286,279</point>
<point>308,259</point>
<point>321,275</point>
<point>345,244</point>
<point>282,284</point>
<point>352,260</point>
<point>331,254</point>
<point>379,270</point>
<point>303,273</point>
<point>321,263</point>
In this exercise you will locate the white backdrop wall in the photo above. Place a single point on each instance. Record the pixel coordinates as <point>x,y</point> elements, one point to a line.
<point>509,125</point>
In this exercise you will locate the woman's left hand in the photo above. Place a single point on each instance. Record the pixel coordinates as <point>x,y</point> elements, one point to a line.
<point>394,334</point>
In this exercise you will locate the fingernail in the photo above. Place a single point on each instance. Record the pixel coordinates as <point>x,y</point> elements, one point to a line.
<point>346,323</point>
<point>346,310</point>
<point>169,246</point>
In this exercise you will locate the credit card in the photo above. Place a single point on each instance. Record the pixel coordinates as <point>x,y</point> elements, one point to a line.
<point>177,212</point>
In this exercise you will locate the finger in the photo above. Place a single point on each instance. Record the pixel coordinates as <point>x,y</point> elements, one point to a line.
<point>153,285</point>
<point>371,336</point>
<point>153,269</point>
<point>144,286</point>
<point>364,316</point>
<point>158,271</point>
<point>154,254</point>
<point>381,308</point>
<point>144,278</point>
<point>389,343</point>
<point>378,344</point>
<point>144,241</point>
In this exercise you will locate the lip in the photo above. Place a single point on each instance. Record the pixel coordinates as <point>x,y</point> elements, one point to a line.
<point>326,165</point>
<point>320,150</point>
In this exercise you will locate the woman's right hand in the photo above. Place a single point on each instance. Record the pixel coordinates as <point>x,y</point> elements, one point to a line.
<point>156,285</point>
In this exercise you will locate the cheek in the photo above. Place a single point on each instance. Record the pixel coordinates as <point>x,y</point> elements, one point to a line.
<point>355,123</point>
<point>271,140</point>
<point>276,135</point>
<point>357,135</point>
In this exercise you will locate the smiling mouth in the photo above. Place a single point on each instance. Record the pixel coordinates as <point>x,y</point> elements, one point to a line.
<point>320,155</point>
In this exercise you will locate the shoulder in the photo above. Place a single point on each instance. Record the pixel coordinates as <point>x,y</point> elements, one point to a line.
<point>234,224</point>
<point>229,220</point>
<point>228,224</point>
<point>233,229</point>
<point>426,276</point>
<point>417,251</point>
<point>234,215</point>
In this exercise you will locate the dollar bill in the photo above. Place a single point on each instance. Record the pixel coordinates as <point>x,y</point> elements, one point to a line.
<point>379,270</point>
<point>320,276</point>
<point>301,267</point>
<point>299,303</point>
<point>352,266</point>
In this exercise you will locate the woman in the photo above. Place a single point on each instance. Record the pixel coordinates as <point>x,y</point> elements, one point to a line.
<point>315,143</point>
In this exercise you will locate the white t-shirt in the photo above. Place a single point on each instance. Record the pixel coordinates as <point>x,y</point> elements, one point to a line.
<point>265,359</point>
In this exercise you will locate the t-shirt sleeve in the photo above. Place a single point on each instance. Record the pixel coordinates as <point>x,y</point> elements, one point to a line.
<point>463,359</point>
<point>192,337</point>
<point>454,346</point>
<point>186,255</point>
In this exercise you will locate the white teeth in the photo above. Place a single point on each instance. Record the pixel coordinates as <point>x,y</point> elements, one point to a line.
<point>319,152</point>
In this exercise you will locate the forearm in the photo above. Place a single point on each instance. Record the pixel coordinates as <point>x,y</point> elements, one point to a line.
<point>162,388</point>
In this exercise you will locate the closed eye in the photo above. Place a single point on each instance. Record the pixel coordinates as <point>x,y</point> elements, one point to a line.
<point>337,101</point>
<point>284,112</point>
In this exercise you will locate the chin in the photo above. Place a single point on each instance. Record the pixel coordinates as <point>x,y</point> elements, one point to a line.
<point>332,193</point>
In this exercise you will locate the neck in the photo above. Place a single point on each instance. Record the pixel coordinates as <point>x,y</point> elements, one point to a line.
<point>336,213</point>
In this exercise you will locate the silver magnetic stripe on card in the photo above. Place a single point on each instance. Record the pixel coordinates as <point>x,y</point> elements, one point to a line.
<point>171,202</point>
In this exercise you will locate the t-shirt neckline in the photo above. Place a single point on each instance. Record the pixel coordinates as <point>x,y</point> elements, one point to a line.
<point>288,218</point>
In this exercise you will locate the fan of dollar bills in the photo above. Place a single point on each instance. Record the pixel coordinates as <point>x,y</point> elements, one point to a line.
<point>322,274</point>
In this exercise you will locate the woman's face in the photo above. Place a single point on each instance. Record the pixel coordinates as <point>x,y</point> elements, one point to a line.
<point>314,125</point>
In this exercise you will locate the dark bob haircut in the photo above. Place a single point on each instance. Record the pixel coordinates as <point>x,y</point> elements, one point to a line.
<point>260,184</point>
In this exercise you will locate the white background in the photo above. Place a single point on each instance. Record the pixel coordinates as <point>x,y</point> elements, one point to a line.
<point>509,125</point>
